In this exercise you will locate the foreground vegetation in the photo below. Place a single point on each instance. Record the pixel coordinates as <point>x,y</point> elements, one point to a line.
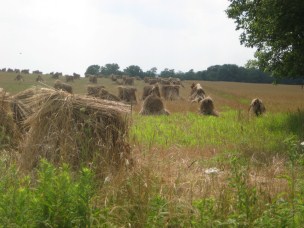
<point>257,178</point>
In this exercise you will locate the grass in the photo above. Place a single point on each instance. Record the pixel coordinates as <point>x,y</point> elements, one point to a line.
<point>259,180</point>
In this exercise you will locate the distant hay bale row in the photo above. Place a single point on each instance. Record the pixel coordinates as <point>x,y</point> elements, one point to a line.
<point>68,128</point>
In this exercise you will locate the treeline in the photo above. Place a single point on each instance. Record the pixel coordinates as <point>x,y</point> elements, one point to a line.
<point>226,72</point>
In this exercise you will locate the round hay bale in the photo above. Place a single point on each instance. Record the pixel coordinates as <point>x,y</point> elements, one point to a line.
<point>77,130</point>
<point>127,94</point>
<point>257,107</point>
<point>63,86</point>
<point>153,105</point>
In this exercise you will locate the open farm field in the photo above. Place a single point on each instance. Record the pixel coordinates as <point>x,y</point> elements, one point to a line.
<point>185,169</point>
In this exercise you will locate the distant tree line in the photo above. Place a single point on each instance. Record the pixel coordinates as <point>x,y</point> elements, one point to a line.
<point>226,72</point>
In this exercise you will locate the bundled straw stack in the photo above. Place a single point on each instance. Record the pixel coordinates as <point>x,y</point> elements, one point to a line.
<point>8,130</point>
<point>74,129</point>
<point>101,92</point>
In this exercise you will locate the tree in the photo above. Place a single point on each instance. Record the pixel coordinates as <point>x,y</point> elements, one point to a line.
<point>276,29</point>
<point>110,68</point>
<point>166,73</point>
<point>93,70</point>
<point>152,72</point>
<point>134,70</point>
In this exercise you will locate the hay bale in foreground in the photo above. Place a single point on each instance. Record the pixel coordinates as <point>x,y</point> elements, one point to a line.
<point>22,106</point>
<point>75,129</point>
<point>10,134</point>
<point>153,105</point>
<point>207,107</point>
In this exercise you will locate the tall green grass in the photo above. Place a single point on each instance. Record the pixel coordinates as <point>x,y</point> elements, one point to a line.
<point>232,129</point>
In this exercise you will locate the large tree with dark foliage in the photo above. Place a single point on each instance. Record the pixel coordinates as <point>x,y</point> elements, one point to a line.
<point>110,68</point>
<point>276,29</point>
<point>93,70</point>
<point>134,70</point>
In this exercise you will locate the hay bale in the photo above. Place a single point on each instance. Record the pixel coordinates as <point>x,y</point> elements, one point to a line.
<point>113,77</point>
<point>93,79</point>
<point>127,94</point>
<point>153,105</point>
<point>150,89</point>
<point>257,107</point>
<point>39,79</point>
<point>63,86</point>
<point>128,81</point>
<point>93,90</point>
<point>69,78</point>
<point>10,134</point>
<point>207,107</point>
<point>152,81</point>
<point>75,129</point>
<point>170,92</point>
<point>19,77</point>
<point>102,93</point>
<point>76,76</point>
<point>197,93</point>
<point>164,81</point>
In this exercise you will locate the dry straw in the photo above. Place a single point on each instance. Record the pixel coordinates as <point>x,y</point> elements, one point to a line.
<point>74,129</point>
<point>207,107</point>
<point>153,105</point>
<point>9,132</point>
<point>101,92</point>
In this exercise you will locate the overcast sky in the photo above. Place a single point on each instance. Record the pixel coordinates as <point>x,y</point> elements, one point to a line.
<point>70,35</point>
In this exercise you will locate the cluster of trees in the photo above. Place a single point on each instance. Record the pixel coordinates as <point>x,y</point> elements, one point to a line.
<point>276,29</point>
<point>226,72</point>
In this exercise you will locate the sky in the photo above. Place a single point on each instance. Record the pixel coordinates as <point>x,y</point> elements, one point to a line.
<point>70,35</point>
